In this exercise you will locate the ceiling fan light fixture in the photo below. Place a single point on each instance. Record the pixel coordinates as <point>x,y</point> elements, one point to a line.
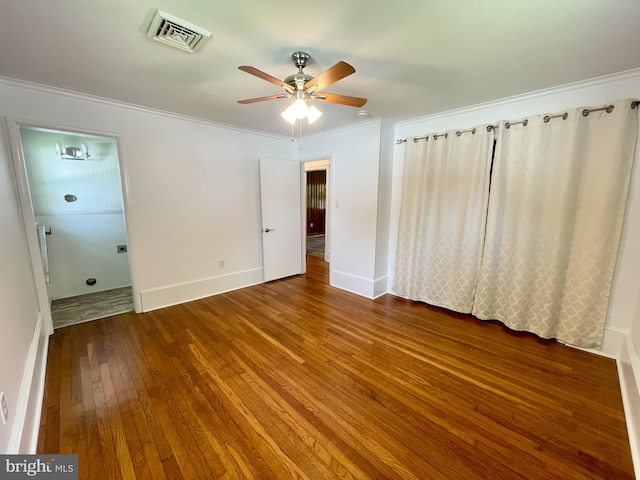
<point>288,115</point>
<point>302,88</point>
<point>299,108</point>
<point>313,114</point>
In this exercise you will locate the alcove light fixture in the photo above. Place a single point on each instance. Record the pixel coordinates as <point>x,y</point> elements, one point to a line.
<point>300,108</point>
<point>73,153</point>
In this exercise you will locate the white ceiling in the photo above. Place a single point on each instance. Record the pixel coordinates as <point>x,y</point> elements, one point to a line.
<point>412,57</point>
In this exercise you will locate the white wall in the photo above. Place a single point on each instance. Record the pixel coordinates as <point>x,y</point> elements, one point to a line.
<point>18,299</point>
<point>84,233</point>
<point>192,189</point>
<point>385,184</point>
<point>355,154</point>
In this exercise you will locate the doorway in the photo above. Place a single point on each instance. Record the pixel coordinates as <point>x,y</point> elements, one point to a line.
<point>76,196</point>
<point>317,211</point>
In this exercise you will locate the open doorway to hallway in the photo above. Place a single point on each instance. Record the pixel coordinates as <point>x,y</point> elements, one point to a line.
<point>317,211</point>
<point>76,195</point>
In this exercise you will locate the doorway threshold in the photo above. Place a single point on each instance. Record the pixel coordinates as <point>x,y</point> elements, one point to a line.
<point>91,306</point>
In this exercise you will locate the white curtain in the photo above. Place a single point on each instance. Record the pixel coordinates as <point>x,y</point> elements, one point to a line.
<point>442,217</point>
<point>557,203</point>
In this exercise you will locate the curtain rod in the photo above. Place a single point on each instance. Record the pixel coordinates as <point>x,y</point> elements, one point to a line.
<point>545,119</point>
<point>524,123</point>
<point>564,116</point>
<point>437,135</point>
<point>608,109</point>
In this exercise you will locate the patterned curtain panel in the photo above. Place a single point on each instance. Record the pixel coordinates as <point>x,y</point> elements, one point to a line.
<point>442,218</point>
<point>556,208</point>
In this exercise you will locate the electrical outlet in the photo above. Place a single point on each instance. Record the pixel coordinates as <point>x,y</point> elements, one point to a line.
<point>221,263</point>
<point>4,409</point>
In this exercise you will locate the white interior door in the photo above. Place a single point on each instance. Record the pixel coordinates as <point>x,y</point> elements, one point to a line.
<point>280,195</point>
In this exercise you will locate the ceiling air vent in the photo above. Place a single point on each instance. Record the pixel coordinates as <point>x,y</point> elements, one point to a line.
<point>173,31</point>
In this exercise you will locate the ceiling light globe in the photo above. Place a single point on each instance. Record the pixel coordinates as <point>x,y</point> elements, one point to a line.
<point>299,108</point>
<point>313,114</point>
<point>289,115</point>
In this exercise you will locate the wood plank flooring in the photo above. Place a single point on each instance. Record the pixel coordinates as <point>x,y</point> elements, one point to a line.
<point>91,306</point>
<point>295,379</point>
<point>315,245</point>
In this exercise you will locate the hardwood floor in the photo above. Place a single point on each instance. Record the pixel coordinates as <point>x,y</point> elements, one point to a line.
<point>295,379</point>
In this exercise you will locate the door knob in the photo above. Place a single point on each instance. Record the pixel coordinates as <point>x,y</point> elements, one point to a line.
<point>267,230</point>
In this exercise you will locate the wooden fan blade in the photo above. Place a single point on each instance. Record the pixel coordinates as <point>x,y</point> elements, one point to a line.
<point>265,76</point>
<point>262,99</point>
<point>329,76</point>
<point>341,99</point>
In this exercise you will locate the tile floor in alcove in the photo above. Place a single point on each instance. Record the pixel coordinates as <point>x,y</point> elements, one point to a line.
<point>92,306</point>
<point>315,245</point>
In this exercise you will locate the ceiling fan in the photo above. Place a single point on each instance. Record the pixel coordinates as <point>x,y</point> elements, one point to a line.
<point>303,88</point>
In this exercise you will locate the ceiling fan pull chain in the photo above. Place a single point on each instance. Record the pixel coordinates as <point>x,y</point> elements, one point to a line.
<point>300,142</point>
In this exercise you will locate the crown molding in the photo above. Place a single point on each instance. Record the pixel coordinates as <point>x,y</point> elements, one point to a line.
<point>12,82</point>
<point>633,74</point>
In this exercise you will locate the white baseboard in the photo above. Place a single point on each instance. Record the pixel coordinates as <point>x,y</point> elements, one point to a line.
<point>629,374</point>
<point>380,286</point>
<point>169,295</point>
<point>24,435</point>
<point>612,341</point>
<point>352,283</point>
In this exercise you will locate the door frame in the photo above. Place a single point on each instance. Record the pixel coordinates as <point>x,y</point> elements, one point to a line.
<point>313,164</point>
<point>26,205</point>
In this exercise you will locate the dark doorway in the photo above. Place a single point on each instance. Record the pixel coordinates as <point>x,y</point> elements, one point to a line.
<point>316,202</point>
<point>316,211</point>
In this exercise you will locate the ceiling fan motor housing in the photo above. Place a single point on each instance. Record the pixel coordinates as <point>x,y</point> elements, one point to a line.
<point>300,59</point>
<point>298,80</point>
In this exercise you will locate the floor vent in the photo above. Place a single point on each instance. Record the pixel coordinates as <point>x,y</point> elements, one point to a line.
<point>173,31</point>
